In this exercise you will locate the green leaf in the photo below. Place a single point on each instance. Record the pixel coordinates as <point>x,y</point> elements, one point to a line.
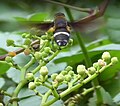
<point>112,86</point>
<point>38,17</point>
<point>114,35</point>
<point>117,99</point>
<point>3,51</point>
<point>31,101</point>
<point>20,19</point>
<point>3,67</point>
<point>2,82</point>
<point>14,74</point>
<point>106,99</point>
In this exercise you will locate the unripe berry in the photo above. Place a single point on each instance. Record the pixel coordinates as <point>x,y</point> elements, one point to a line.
<point>114,60</point>
<point>44,54</point>
<point>63,72</point>
<point>81,69</point>
<point>55,84</point>
<point>43,71</point>
<point>71,41</point>
<point>8,59</point>
<point>47,49</point>
<point>32,85</point>
<point>59,78</point>
<point>38,55</point>
<point>95,65</point>
<point>27,41</point>
<point>68,78</point>
<point>10,42</point>
<point>29,76</point>
<point>53,76</point>
<point>106,56</point>
<point>68,68</point>
<point>1,104</point>
<point>71,73</point>
<point>27,51</point>
<point>91,70</point>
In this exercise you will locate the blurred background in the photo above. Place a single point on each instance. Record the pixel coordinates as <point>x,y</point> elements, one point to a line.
<point>104,36</point>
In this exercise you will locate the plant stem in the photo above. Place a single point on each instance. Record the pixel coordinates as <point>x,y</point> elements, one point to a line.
<point>87,59</point>
<point>24,69</point>
<point>74,88</point>
<point>17,90</point>
<point>88,10</point>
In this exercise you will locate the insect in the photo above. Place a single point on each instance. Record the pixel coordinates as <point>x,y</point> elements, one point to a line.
<point>61,28</point>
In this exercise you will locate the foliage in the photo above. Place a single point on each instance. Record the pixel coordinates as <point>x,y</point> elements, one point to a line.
<point>47,75</point>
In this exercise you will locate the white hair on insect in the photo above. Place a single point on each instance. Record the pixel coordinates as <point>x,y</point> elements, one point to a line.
<point>58,33</point>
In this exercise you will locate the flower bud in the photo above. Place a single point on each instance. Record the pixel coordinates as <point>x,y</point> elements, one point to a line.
<point>10,42</point>
<point>27,41</point>
<point>81,69</point>
<point>114,60</point>
<point>101,63</point>
<point>68,78</point>
<point>8,59</point>
<point>38,55</point>
<point>53,76</point>
<point>29,76</point>
<point>27,51</point>
<point>32,85</point>
<point>43,71</point>
<point>1,104</point>
<point>106,56</point>
<point>60,78</point>
<point>68,68</point>
<point>91,70</point>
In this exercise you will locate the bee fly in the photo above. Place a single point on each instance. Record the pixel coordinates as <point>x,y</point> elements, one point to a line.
<point>61,27</point>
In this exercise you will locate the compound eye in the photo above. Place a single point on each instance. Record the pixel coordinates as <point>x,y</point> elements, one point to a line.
<point>62,42</point>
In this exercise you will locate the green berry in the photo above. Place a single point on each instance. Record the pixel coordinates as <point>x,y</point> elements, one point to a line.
<point>95,65</point>
<point>10,42</point>
<point>1,104</point>
<point>81,69</point>
<point>38,55</point>
<point>44,54</point>
<point>68,68</point>
<point>114,60</point>
<point>55,84</point>
<point>8,59</point>
<point>71,73</point>
<point>91,70</point>
<point>53,76</point>
<point>43,71</point>
<point>63,72</point>
<point>47,49</point>
<point>68,78</point>
<point>29,76</point>
<point>27,41</point>
<point>71,41</point>
<point>106,56</point>
<point>60,78</point>
<point>32,85</point>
